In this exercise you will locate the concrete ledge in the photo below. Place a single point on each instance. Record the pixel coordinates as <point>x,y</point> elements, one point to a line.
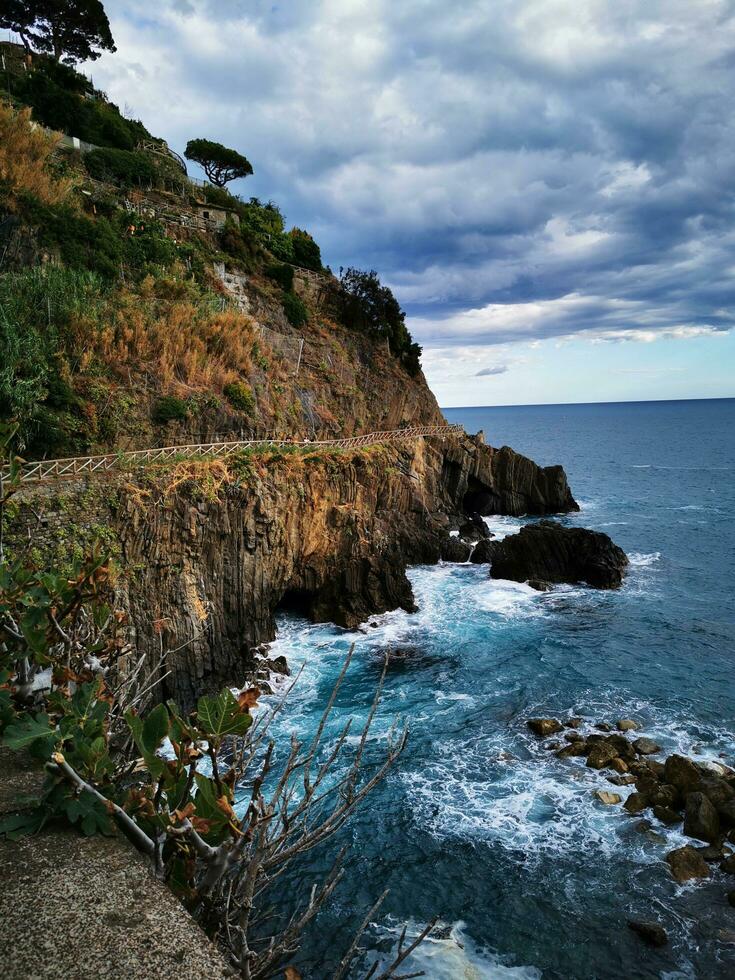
<point>88,907</point>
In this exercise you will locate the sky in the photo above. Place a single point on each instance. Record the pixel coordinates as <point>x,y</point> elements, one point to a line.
<point>548,186</point>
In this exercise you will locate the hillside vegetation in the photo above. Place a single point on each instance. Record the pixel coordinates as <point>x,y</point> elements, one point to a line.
<point>139,308</point>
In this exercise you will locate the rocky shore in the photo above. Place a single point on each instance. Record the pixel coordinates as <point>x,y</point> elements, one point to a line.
<point>696,797</point>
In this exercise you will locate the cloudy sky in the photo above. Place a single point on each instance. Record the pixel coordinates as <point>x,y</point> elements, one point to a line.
<point>547,185</point>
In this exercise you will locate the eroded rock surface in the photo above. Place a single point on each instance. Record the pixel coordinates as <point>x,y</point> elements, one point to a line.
<point>549,552</point>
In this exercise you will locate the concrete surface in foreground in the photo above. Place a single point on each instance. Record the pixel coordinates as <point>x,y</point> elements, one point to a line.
<point>88,907</point>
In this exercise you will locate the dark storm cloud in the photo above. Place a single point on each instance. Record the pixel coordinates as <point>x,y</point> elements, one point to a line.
<point>515,170</point>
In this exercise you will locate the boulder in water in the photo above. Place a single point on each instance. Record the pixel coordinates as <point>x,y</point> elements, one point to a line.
<point>619,765</point>
<point>682,773</point>
<point>700,818</point>
<point>666,815</point>
<point>601,755</point>
<point>474,529</point>
<point>636,803</point>
<point>686,864</point>
<point>627,725</point>
<point>483,552</point>
<point>646,746</point>
<point>544,726</point>
<point>453,549</point>
<point>607,798</point>
<point>549,552</point>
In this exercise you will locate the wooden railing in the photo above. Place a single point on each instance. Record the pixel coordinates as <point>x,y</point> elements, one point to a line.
<point>56,469</point>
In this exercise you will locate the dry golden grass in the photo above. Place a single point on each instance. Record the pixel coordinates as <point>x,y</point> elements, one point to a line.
<point>25,158</point>
<point>180,343</point>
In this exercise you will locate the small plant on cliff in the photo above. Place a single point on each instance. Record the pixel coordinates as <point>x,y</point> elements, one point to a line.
<point>240,396</point>
<point>295,309</point>
<point>170,409</point>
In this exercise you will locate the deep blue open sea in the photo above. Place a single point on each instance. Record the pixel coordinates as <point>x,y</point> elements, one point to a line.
<point>530,876</point>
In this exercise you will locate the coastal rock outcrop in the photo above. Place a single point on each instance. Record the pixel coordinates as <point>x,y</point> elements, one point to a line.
<point>549,552</point>
<point>515,485</point>
<point>208,562</point>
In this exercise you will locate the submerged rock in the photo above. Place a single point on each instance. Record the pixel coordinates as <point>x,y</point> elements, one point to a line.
<point>652,933</point>
<point>549,552</point>
<point>686,864</point>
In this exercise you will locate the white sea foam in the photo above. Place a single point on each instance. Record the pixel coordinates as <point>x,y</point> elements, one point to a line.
<point>640,560</point>
<point>449,953</point>
<point>509,599</point>
<point>501,526</point>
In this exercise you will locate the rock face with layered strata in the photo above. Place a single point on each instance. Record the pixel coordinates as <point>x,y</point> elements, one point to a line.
<point>329,534</point>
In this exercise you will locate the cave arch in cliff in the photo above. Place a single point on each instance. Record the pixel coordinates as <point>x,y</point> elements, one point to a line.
<point>479,498</point>
<point>297,601</point>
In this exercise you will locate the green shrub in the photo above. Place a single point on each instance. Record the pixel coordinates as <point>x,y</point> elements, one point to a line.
<point>282,274</point>
<point>170,409</point>
<point>240,396</point>
<point>281,246</point>
<point>220,197</point>
<point>295,310</point>
<point>369,306</point>
<point>306,252</point>
<point>120,166</point>
<point>57,95</point>
<point>35,308</point>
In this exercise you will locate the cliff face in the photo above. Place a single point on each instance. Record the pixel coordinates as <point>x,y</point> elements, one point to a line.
<point>328,533</point>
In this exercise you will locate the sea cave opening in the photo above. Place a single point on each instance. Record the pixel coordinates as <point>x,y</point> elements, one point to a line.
<point>478,498</point>
<point>296,602</point>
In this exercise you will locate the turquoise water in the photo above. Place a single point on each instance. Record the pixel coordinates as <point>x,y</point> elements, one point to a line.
<point>529,875</point>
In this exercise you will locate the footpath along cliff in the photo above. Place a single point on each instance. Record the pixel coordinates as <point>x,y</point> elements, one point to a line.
<point>209,551</point>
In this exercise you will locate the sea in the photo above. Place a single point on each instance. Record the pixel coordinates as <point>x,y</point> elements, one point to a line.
<point>478,824</point>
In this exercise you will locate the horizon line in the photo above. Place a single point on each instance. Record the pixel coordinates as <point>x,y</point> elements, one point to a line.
<point>625,401</point>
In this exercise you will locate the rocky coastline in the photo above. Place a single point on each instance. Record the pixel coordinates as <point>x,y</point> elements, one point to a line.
<point>695,797</point>
<point>327,534</point>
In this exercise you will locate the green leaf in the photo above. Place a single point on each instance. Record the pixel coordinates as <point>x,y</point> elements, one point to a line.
<point>89,813</point>
<point>155,728</point>
<point>28,729</point>
<point>220,716</point>
<point>18,825</point>
<point>155,764</point>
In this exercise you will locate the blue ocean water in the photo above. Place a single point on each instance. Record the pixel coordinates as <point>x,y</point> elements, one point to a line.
<point>530,876</point>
